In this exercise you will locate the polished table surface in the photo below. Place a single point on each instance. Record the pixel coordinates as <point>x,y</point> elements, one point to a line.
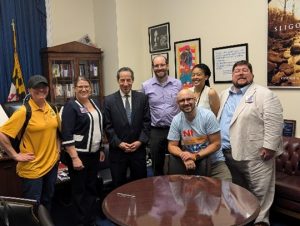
<point>180,200</point>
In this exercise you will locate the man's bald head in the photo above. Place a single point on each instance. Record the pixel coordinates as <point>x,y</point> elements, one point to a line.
<point>186,100</point>
<point>185,93</point>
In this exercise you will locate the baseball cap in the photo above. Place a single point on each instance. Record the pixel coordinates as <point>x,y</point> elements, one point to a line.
<point>35,80</point>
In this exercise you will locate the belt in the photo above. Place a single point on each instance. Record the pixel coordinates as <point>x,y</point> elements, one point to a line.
<point>226,150</point>
<point>160,127</point>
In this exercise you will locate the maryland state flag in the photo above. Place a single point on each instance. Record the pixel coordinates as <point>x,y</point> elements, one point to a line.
<point>17,88</point>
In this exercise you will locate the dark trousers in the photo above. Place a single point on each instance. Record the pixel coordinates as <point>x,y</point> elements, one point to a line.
<point>176,166</point>
<point>158,148</point>
<point>41,189</point>
<point>121,161</point>
<point>84,191</point>
<point>234,167</point>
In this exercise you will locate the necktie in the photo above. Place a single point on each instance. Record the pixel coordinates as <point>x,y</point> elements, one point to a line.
<point>127,108</point>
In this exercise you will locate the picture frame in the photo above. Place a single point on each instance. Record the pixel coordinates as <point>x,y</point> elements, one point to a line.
<point>166,55</point>
<point>159,38</point>
<point>187,55</point>
<point>289,128</point>
<point>281,74</point>
<point>224,58</point>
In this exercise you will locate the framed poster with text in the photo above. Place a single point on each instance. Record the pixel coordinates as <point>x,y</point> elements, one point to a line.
<point>283,44</point>
<point>223,60</point>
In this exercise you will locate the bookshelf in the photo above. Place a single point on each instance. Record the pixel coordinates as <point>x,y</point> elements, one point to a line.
<point>62,64</point>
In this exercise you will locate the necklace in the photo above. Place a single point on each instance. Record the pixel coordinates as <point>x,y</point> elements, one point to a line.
<point>199,95</point>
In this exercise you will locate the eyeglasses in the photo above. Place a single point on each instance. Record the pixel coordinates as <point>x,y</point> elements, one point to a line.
<point>246,70</point>
<point>159,65</point>
<point>198,74</point>
<point>83,87</point>
<point>182,101</point>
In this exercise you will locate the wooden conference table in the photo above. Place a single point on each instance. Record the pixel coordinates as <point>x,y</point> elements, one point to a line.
<point>180,200</point>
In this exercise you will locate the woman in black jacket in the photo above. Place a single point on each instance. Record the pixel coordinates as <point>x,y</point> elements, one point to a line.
<point>82,132</point>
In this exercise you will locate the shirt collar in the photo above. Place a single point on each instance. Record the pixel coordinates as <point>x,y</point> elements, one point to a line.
<point>35,107</point>
<point>123,94</point>
<point>239,91</point>
<point>163,84</point>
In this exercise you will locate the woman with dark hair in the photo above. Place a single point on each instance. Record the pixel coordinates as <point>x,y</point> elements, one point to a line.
<point>82,132</point>
<point>205,96</point>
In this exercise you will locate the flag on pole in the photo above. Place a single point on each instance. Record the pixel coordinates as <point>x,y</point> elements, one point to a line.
<point>17,88</point>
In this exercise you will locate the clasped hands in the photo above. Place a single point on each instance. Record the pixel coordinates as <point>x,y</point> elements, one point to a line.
<point>188,160</point>
<point>126,147</point>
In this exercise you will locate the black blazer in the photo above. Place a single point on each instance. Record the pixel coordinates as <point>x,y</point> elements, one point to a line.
<point>116,124</point>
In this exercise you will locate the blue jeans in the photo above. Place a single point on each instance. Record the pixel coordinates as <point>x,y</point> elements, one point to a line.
<point>41,189</point>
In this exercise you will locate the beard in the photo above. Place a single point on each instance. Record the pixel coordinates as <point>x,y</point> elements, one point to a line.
<point>241,85</point>
<point>190,109</point>
<point>160,73</point>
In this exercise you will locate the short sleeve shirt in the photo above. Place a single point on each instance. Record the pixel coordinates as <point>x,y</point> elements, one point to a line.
<point>194,135</point>
<point>40,138</point>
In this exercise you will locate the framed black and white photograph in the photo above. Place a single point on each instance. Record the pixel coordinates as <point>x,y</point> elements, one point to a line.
<point>159,38</point>
<point>223,60</point>
<point>166,55</point>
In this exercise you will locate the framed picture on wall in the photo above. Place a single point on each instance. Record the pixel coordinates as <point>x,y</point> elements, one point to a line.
<point>289,128</point>
<point>159,38</point>
<point>166,55</point>
<point>187,54</point>
<point>223,60</point>
<point>283,44</point>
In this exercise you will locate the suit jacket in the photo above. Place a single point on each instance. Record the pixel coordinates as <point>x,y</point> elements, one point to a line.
<point>116,124</point>
<point>257,122</point>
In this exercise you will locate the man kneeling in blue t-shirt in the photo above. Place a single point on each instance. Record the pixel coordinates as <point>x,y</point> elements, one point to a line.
<point>195,141</point>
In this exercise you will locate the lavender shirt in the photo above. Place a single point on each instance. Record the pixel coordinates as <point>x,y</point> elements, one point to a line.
<point>162,100</point>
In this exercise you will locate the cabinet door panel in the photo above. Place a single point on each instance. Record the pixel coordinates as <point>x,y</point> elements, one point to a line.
<point>10,182</point>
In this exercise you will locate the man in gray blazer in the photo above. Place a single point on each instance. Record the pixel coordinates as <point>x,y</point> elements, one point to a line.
<point>251,124</point>
<point>127,126</point>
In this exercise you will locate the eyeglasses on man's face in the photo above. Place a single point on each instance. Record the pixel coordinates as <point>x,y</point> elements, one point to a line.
<point>159,66</point>
<point>239,70</point>
<point>184,100</point>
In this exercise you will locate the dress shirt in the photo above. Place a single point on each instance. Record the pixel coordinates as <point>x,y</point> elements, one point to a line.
<point>232,102</point>
<point>124,98</point>
<point>162,100</point>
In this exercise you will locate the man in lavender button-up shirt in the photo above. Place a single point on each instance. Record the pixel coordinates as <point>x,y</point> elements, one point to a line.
<point>161,91</point>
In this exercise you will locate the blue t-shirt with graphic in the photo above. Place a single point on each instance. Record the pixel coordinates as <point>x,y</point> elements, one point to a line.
<point>193,135</point>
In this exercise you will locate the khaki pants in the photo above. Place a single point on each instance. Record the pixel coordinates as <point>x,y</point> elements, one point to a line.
<point>258,177</point>
<point>217,170</point>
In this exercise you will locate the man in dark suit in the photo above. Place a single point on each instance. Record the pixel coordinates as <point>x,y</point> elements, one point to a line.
<point>127,126</point>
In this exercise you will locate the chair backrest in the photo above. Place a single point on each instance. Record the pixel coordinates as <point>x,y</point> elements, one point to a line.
<point>167,164</point>
<point>44,216</point>
<point>23,212</point>
<point>11,107</point>
<point>289,161</point>
<point>18,212</point>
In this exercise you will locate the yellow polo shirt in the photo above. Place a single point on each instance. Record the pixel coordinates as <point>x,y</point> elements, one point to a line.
<point>40,138</point>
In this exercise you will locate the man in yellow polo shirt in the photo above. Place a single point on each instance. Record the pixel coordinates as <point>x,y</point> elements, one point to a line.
<point>39,147</point>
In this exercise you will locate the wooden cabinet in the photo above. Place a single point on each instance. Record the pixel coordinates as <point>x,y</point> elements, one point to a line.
<point>10,182</point>
<point>62,64</point>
